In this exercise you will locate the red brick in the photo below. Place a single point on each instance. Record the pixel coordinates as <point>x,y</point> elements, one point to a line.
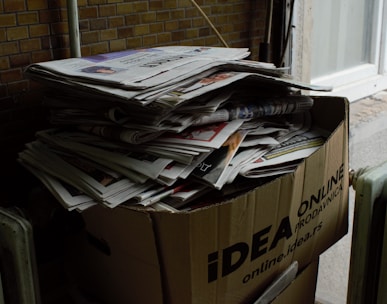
<point>184,3</point>
<point>11,75</point>
<point>198,22</point>
<point>156,4</point>
<point>164,15</point>
<point>85,50</point>
<point>212,40</point>
<point>224,20</point>
<point>117,45</point>
<point>217,9</point>
<point>192,12</point>
<point>17,33</point>
<point>14,5</point>
<point>90,37</point>
<point>148,17</point>
<point>34,5</point>
<point>49,42</point>
<point>7,19</point>
<point>49,16</point>
<point>193,42</point>
<point>117,21</point>
<point>175,19</point>
<point>124,8</point>
<point>170,4</point>
<point>20,60</point>
<point>204,31</point>
<point>39,30</point>
<point>164,38</point>
<point>88,12</point>
<point>63,15</point>
<point>134,42</point>
<point>64,41</point>
<point>133,19</point>
<point>57,4</point>
<point>192,33</point>
<point>177,35</point>
<point>59,28</point>
<point>9,48</point>
<point>156,27</point>
<point>61,53</point>
<point>84,25</point>
<point>184,24</point>
<point>99,48</point>
<point>3,34</point>
<point>4,63</point>
<point>109,34</point>
<point>226,28</point>
<point>141,29</point>
<point>177,14</point>
<point>140,6</point>
<point>41,56</point>
<point>107,10</point>
<point>30,45</point>
<point>98,24</point>
<point>171,25</point>
<point>94,2</point>
<point>27,18</point>
<point>125,32</point>
<point>149,40</point>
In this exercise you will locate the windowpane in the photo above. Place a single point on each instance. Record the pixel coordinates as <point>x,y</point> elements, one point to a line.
<point>341,35</point>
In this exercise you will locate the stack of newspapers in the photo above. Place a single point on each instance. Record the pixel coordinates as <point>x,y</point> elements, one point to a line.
<point>170,128</point>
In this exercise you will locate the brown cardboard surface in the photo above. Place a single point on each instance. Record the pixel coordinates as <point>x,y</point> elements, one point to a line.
<point>226,253</point>
<point>302,289</point>
<point>116,258</point>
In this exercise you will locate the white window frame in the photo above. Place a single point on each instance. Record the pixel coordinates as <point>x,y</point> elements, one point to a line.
<point>354,83</point>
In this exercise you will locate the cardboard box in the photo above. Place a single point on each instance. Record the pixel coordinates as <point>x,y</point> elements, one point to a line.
<point>302,289</point>
<point>225,253</point>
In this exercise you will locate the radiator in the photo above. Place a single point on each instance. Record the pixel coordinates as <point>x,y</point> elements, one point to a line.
<point>19,281</point>
<point>368,265</point>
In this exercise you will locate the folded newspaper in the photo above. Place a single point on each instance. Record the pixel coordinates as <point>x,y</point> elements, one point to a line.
<point>163,127</point>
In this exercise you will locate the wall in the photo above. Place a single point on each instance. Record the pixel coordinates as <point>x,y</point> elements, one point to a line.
<point>37,30</point>
<point>302,36</point>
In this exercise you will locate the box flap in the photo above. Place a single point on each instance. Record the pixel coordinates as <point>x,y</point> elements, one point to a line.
<point>122,243</point>
<point>232,248</point>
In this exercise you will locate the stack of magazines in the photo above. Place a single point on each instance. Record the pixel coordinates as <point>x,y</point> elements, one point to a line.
<point>162,128</point>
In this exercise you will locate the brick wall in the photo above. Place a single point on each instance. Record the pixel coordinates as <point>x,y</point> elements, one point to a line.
<point>37,30</point>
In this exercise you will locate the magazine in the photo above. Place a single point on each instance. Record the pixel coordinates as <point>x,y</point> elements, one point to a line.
<point>212,169</point>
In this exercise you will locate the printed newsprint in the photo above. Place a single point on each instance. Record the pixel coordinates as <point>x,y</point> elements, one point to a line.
<point>130,68</point>
<point>101,185</point>
<point>138,162</point>
<point>140,126</point>
<point>144,75</point>
<point>214,166</point>
<point>70,197</point>
<point>98,185</point>
<point>212,136</point>
<point>296,148</point>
